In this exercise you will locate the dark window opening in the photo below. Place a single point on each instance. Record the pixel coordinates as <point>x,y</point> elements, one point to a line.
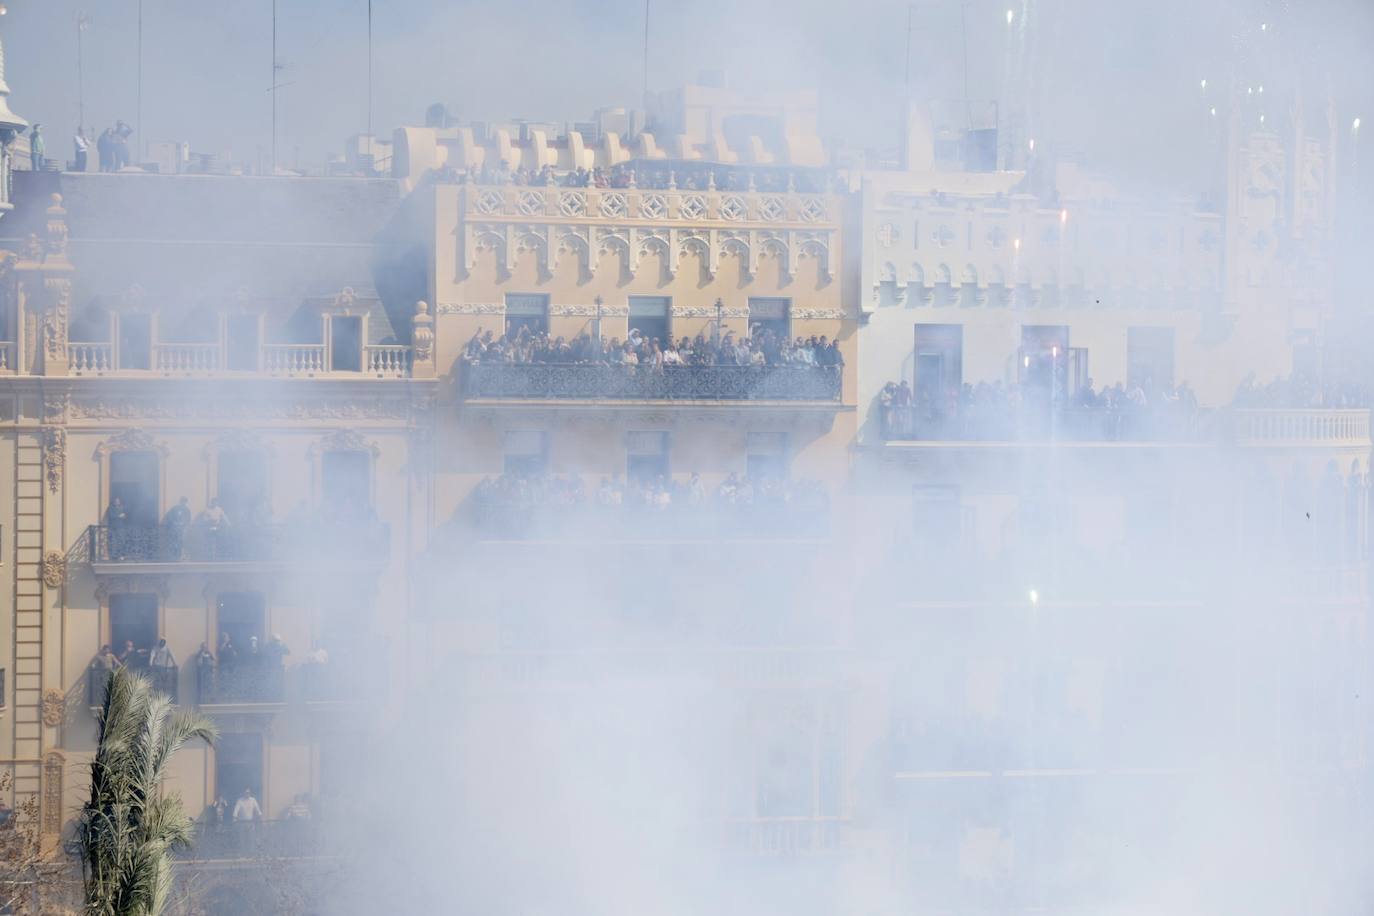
<point>646,456</point>
<point>242,616</point>
<point>525,453</point>
<point>134,482</point>
<point>527,310</point>
<point>135,342</point>
<point>939,362</point>
<point>650,316</point>
<point>1044,363</point>
<point>133,619</point>
<point>770,315</point>
<point>243,344</point>
<point>346,343</point>
<point>238,766</point>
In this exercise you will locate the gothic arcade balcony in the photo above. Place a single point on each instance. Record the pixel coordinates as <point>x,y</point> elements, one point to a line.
<point>135,548</point>
<point>592,382</point>
<point>179,360</point>
<point>669,200</point>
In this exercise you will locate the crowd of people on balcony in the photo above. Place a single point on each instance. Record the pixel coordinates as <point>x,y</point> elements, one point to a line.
<point>508,503</point>
<point>156,662</point>
<point>762,348</point>
<point>212,534</point>
<point>989,410</point>
<point>1300,391</point>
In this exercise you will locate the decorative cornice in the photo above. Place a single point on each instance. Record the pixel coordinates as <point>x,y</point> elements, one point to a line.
<point>131,440</point>
<point>589,311</point>
<point>819,314</point>
<point>240,409</point>
<point>121,585</point>
<point>345,440</point>
<point>471,308</point>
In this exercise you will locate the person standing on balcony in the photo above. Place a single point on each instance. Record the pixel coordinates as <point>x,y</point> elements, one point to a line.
<point>116,525</point>
<point>104,148</point>
<point>36,147</point>
<point>205,673</point>
<point>246,809</point>
<point>163,665</point>
<point>81,147</point>
<point>213,522</point>
<point>174,525</point>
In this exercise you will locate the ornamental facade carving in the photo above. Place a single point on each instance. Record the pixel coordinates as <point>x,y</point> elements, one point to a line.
<point>54,707</point>
<point>239,409</point>
<point>590,243</point>
<point>345,440</point>
<point>54,456</point>
<point>131,440</point>
<point>54,569</point>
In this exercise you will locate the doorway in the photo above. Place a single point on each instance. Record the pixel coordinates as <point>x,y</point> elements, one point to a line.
<point>242,345</point>
<point>134,481</point>
<point>346,343</point>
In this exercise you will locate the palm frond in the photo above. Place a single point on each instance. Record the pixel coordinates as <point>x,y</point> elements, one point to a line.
<point>127,829</point>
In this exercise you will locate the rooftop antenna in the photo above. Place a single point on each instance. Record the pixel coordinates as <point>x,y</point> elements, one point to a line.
<point>277,67</point>
<point>369,76</point>
<point>646,57</point>
<point>83,22</point>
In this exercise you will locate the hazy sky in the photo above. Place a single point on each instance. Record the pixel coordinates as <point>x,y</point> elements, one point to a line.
<point>1117,80</point>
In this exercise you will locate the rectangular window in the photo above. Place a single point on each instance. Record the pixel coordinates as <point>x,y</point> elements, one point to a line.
<point>646,455</point>
<point>238,766</point>
<point>133,627</point>
<point>938,518</point>
<point>346,343</point>
<point>525,452</point>
<point>766,456</point>
<point>135,341</point>
<point>939,362</point>
<point>241,617</point>
<point>650,316</point>
<point>527,310</point>
<point>770,315</point>
<point>1150,358</point>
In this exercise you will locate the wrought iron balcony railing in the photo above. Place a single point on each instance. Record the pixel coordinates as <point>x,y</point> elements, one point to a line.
<point>288,838</point>
<point>345,542</point>
<point>502,520</point>
<point>672,383</point>
<point>1070,424</point>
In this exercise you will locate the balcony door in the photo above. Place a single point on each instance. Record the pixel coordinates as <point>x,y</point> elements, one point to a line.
<point>770,315</point>
<point>646,456</point>
<point>1044,364</point>
<point>1150,358</point>
<point>939,362</point>
<point>133,618</point>
<point>238,766</point>
<point>649,316</point>
<point>242,615</point>
<point>243,342</point>
<point>135,341</point>
<point>346,343</point>
<point>241,486</point>
<point>135,482</point>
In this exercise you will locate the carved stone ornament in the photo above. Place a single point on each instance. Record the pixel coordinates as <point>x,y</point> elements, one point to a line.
<point>54,455</point>
<point>234,440</point>
<point>471,308</point>
<point>54,707</point>
<point>54,765</point>
<point>131,440</point>
<point>122,585</point>
<point>345,440</point>
<point>422,335</point>
<point>54,569</point>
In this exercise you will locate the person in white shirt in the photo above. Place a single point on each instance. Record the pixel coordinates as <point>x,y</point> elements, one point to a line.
<point>161,656</point>
<point>246,809</point>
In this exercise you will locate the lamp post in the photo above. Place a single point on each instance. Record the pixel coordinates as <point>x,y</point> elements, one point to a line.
<point>720,316</point>
<point>598,301</point>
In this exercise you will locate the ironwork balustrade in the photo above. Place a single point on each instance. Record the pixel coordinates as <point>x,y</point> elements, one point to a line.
<point>342,542</point>
<point>288,838</point>
<point>244,681</point>
<point>671,383</point>
<point>1072,424</point>
<point>163,678</point>
<point>504,520</point>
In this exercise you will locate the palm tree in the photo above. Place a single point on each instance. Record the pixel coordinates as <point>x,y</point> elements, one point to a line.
<point>129,827</point>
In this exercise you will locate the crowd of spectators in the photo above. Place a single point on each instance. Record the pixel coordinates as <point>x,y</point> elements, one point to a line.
<point>520,504</point>
<point>763,347</point>
<point>995,410</point>
<point>1301,391</point>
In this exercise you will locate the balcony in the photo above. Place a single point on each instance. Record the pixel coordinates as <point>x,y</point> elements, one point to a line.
<point>259,841</point>
<point>164,548</point>
<point>594,382</point>
<point>1066,424</point>
<point>210,359</point>
<point>1285,428</point>
<point>788,836</point>
<point>664,204</point>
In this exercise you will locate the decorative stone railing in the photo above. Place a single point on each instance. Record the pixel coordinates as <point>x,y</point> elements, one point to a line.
<point>186,358</point>
<point>1331,428</point>
<point>90,358</point>
<point>672,383</point>
<point>658,205</point>
<point>293,359</point>
<point>387,360</point>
